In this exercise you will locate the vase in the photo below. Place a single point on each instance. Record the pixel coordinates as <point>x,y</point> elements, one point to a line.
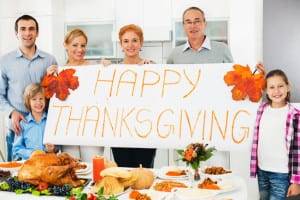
<point>196,175</point>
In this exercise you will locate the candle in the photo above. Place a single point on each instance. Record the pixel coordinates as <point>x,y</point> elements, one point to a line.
<point>98,166</point>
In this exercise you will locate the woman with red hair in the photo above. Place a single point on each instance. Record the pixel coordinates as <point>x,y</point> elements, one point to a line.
<point>131,41</point>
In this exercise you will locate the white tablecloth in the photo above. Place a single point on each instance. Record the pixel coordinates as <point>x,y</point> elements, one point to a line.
<point>239,193</point>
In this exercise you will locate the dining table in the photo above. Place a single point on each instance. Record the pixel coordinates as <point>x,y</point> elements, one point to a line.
<point>238,192</point>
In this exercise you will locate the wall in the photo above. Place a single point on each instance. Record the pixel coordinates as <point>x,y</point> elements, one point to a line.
<point>281,44</point>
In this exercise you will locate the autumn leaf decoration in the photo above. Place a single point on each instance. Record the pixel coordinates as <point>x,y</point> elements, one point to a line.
<point>245,83</point>
<point>60,84</point>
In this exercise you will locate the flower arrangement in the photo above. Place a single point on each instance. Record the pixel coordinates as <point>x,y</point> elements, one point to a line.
<point>195,153</point>
<point>245,83</point>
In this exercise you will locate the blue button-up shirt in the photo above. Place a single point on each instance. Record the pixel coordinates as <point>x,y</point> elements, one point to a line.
<point>30,139</point>
<point>16,72</point>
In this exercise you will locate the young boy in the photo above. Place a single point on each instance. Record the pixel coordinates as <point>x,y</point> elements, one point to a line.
<point>31,137</point>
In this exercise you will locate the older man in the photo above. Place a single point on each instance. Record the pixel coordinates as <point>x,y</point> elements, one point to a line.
<point>27,64</point>
<point>200,49</point>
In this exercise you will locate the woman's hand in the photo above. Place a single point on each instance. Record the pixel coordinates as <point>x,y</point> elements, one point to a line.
<point>145,61</point>
<point>105,62</point>
<point>53,69</point>
<point>50,148</point>
<point>294,189</point>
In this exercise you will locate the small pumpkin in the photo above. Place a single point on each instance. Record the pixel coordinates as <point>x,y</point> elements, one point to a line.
<point>144,178</point>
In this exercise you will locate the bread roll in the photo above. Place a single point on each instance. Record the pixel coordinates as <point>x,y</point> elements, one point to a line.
<point>116,172</point>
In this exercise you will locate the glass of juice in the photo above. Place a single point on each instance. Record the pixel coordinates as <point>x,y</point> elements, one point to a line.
<point>98,166</point>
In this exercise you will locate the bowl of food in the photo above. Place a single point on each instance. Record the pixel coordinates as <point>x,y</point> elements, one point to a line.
<point>12,166</point>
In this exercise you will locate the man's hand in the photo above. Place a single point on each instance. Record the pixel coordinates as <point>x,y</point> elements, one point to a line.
<point>50,148</point>
<point>294,189</point>
<point>16,117</point>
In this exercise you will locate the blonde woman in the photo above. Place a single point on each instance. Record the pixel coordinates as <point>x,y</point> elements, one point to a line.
<point>75,44</point>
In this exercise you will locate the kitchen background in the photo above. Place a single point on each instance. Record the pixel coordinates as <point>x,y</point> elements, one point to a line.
<point>255,30</point>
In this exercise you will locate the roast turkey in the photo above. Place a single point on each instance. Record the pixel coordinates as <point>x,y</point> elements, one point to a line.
<point>54,169</point>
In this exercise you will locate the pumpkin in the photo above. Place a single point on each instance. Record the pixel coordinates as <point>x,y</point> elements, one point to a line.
<point>144,178</point>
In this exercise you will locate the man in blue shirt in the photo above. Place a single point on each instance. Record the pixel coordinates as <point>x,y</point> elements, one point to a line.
<point>19,68</point>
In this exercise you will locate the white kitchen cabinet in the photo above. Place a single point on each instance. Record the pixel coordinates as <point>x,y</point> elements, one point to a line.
<point>34,7</point>
<point>89,10</point>
<point>128,12</point>
<point>8,40</point>
<point>100,44</point>
<point>39,7</point>
<point>154,17</point>
<point>7,8</point>
<point>211,8</point>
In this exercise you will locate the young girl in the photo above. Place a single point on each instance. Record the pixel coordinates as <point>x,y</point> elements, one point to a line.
<point>31,137</point>
<point>275,155</point>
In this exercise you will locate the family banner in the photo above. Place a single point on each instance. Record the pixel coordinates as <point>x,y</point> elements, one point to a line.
<point>157,105</point>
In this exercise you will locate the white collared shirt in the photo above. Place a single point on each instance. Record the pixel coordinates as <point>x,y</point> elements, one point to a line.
<point>205,45</point>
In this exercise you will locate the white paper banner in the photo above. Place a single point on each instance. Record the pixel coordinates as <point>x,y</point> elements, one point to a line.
<point>164,106</point>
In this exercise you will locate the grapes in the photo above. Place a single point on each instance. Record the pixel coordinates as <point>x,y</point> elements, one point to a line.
<point>60,190</point>
<point>14,184</point>
<point>56,190</point>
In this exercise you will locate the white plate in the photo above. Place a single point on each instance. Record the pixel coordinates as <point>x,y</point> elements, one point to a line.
<point>162,173</point>
<point>153,194</point>
<point>179,181</point>
<point>194,194</point>
<point>87,170</point>
<point>216,176</point>
<point>88,189</point>
<point>11,169</point>
<point>119,194</point>
<point>226,185</point>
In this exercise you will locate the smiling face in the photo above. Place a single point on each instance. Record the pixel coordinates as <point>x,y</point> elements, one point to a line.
<point>277,91</point>
<point>131,44</point>
<point>194,24</point>
<point>76,49</point>
<point>27,33</point>
<point>37,103</point>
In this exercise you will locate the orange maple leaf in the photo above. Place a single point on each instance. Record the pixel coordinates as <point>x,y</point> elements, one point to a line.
<point>245,83</point>
<point>60,84</point>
